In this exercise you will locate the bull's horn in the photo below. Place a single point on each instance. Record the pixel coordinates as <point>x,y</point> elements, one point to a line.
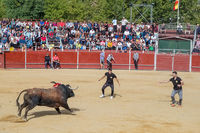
<point>53,82</point>
<point>75,88</point>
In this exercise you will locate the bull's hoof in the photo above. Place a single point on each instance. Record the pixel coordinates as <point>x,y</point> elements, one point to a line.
<point>25,119</point>
<point>19,115</point>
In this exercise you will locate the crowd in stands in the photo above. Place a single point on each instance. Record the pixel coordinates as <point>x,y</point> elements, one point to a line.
<point>117,35</point>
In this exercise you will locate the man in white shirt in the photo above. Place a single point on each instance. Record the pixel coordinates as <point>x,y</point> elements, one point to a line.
<point>114,25</point>
<point>92,33</point>
<point>126,34</point>
<point>124,22</point>
<point>119,45</point>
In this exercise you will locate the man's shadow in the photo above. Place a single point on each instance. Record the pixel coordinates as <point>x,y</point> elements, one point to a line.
<point>52,112</point>
<point>115,95</point>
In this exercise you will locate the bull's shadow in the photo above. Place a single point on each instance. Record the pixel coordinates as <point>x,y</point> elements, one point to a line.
<point>52,112</point>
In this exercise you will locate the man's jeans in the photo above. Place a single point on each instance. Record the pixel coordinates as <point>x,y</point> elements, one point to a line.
<point>180,93</point>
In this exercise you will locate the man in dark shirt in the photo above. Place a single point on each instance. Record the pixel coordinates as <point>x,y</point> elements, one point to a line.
<point>177,83</point>
<point>109,82</point>
<point>47,61</point>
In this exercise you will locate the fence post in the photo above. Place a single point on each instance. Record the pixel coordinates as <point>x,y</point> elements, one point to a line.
<point>190,64</point>
<point>77,59</point>
<point>25,62</point>
<point>173,54</point>
<point>52,58</point>
<point>155,56</point>
<point>129,68</point>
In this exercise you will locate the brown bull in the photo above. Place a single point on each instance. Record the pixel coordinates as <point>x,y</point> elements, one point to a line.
<point>52,97</point>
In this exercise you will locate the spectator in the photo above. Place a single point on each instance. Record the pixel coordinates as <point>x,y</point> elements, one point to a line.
<point>179,29</point>
<point>102,58</point>
<point>124,22</point>
<point>119,46</point>
<point>136,59</point>
<point>163,28</point>
<point>92,33</point>
<point>109,45</point>
<point>198,29</point>
<point>56,62</point>
<point>114,22</point>
<point>47,61</point>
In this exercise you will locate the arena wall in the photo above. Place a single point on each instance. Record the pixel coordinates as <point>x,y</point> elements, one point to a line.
<point>2,60</point>
<point>196,63</point>
<point>85,59</point>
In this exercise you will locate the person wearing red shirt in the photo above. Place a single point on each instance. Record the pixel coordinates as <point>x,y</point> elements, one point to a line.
<point>56,62</point>
<point>43,39</point>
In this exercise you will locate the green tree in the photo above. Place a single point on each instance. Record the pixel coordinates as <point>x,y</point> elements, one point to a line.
<point>99,10</point>
<point>26,9</point>
<point>2,9</point>
<point>55,9</point>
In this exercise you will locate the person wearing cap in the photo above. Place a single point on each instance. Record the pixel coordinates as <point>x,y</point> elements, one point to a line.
<point>110,58</point>
<point>177,83</point>
<point>109,82</point>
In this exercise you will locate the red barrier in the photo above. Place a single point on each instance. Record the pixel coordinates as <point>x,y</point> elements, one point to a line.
<point>2,60</point>
<point>196,63</point>
<point>181,62</point>
<point>35,59</point>
<point>146,61</point>
<point>164,62</point>
<point>89,59</point>
<point>67,59</point>
<point>14,59</point>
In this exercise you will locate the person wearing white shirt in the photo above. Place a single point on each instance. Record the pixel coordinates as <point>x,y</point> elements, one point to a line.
<point>124,22</point>
<point>92,33</point>
<point>128,44</point>
<point>114,25</point>
<point>126,34</point>
<point>119,46</point>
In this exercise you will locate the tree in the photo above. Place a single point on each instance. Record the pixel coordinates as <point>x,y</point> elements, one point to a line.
<point>99,10</point>
<point>2,9</point>
<point>26,9</point>
<point>55,9</point>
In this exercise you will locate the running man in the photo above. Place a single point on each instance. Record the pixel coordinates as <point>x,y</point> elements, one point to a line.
<point>178,83</point>
<point>109,82</point>
<point>102,56</point>
<point>110,58</point>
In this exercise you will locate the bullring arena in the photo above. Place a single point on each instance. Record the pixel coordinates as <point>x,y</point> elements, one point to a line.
<point>141,104</point>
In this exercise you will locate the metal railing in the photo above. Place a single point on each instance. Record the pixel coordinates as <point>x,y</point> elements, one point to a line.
<point>174,27</point>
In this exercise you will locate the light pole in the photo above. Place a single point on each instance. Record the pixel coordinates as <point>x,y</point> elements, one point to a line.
<point>131,5</point>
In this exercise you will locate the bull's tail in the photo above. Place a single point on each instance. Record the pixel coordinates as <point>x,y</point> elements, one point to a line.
<point>17,100</point>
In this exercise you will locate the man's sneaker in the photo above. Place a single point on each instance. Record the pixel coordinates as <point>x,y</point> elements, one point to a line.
<point>111,97</point>
<point>102,96</point>
<point>173,105</point>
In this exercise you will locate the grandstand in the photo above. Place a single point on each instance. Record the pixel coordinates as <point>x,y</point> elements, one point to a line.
<point>149,39</point>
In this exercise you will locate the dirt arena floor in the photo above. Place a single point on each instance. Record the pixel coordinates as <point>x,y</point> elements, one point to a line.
<point>141,105</point>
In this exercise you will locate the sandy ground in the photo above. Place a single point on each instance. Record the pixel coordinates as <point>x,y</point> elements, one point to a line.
<point>141,105</point>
